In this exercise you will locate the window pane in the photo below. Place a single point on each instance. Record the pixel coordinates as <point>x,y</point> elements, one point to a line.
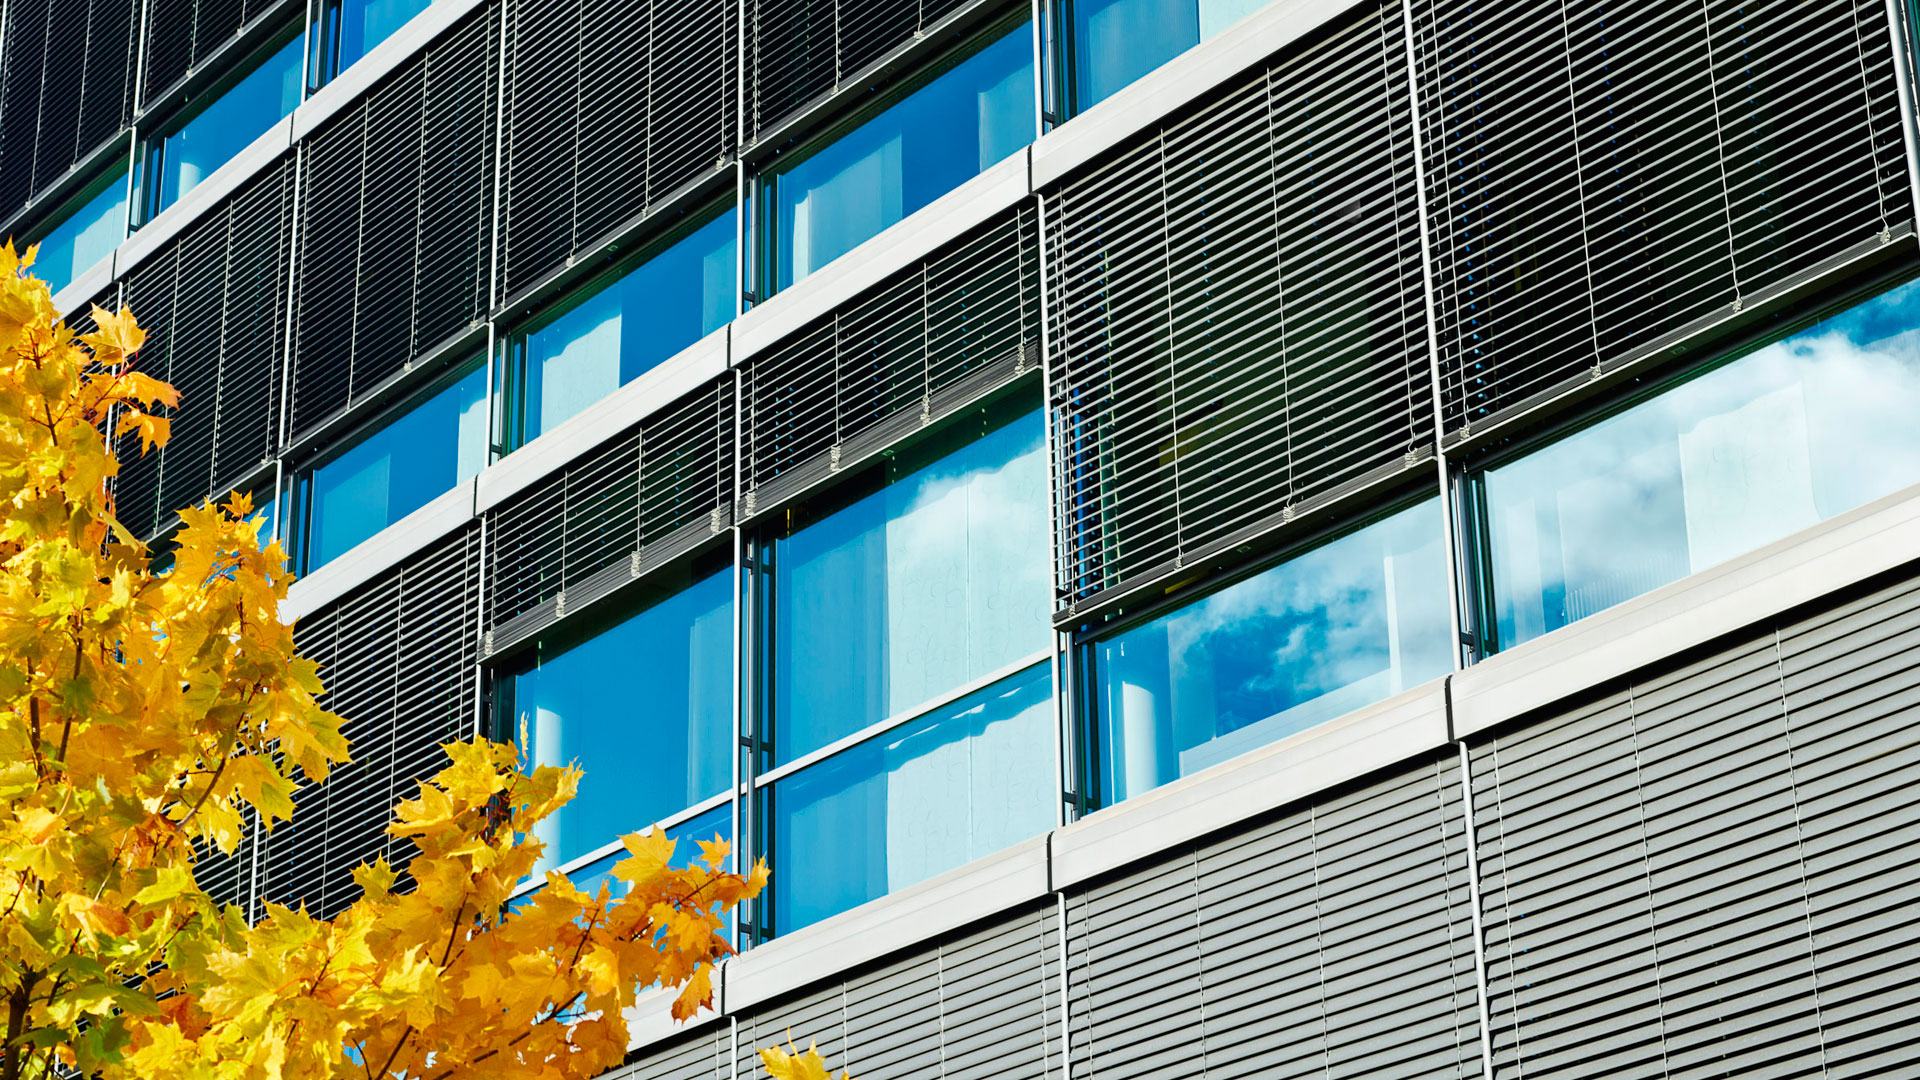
<point>406,465</point>
<point>72,247</point>
<point>659,308</point>
<point>366,23</point>
<point>1801,430</point>
<point>1117,41</point>
<point>934,581</point>
<point>935,793</point>
<point>932,141</point>
<point>1340,627</point>
<point>230,124</point>
<point>646,708</point>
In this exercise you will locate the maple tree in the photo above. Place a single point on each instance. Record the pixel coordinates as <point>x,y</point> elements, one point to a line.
<point>147,717</point>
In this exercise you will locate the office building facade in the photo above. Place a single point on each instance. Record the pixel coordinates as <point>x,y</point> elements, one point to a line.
<point>1198,537</point>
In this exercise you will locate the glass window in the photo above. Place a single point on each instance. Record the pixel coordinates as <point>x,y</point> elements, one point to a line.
<point>86,236</point>
<point>937,579</point>
<point>1117,41</point>
<point>934,793</point>
<point>616,334</point>
<point>1343,626</point>
<point>645,707</point>
<point>348,29</point>
<point>714,824</point>
<point>1789,435</point>
<point>178,163</point>
<point>425,452</point>
<point>938,137</point>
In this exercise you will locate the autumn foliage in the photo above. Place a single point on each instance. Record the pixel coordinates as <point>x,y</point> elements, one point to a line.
<point>144,716</point>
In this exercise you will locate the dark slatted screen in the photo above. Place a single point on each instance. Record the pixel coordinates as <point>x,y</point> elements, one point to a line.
<point>398,657</point>
<point>983,1003</point>
<point>1239,313</point>
<point>610,106</point>
<point>798,50</point>
<point>394,229</point>
<point>182,33</point>
<point>1336,941</point>
<point>213,303</point>
<point>638,500</point>
<point>1713,872</point>
<point>918,347</point>
<point>1606,180</point>
<point>66,86</point>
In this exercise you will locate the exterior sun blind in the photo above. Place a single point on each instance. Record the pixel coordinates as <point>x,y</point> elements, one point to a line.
<point>914,349</point>
<point>799,50</point>
<point>1334,941</point>
<point>1608,181</point>
<point>395,197</point>
<point>213,304</point>
<point>1712,871</point>
<point>66,88</point>
<point>983,1003</point>
<point>183,33</point>
<point>398,658</point>
<point>1239,319</point>
<point>610,107</point>
<point>641,499</point>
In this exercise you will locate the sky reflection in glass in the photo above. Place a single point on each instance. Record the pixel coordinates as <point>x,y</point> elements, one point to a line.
<point>1800,430</point>
<point>936,580</point>
<point>645,707</point>
<point>72,247</point>
<point>1117,41</point>
<point>935,139</point>
<point>229,125</point>
<point>1340,627</point>
<point>936,792</point>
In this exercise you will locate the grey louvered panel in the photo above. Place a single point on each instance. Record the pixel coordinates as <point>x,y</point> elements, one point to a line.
<point>641,499</point>
<point>610,109</point>
<point>1238,315</point>
<point>701,1056</point>
<point>801,50</point>
<point>1607,182</point>
<point>398,657</point>
<point>212,303</point>
<point>396,196</point>
<point>66,88</point>
<point>182,34</point>
<point>1853,698</point>
<point>916,348</point>
<point>1333,940</point>
<point>981,1004</point>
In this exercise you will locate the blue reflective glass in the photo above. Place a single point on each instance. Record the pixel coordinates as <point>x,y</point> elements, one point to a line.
<point>934,793</point>
<point>1117,41</point>
<point>229,125</point>
<point>433,447</point>
<point>362,24</point>
<point>71,248</point>
<point>1342,626</point>
<point>937,579</point>
<point>646,708</point>
<point>932,141</point>
<point>612,337</point>
<point>1787,436</point>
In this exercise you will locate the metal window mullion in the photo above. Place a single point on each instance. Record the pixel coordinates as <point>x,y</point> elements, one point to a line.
<point>1900,40</point>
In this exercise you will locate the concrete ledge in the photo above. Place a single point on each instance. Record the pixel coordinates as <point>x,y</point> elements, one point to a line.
<point>380,552</point>
<point>1695,610</point>
<point>205,195</point>
<point>90,284</point>
<point>650,1019</point>
<point>397,49</point>
<point>896,248</point>
<point>1297,767</point>
<point>978,890</point>
<point>1176,83</point>
<point>652,391</point>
